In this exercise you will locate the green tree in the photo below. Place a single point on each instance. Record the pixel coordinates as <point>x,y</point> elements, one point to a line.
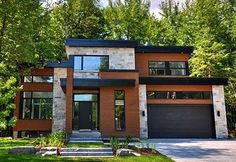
<point>130,20</point>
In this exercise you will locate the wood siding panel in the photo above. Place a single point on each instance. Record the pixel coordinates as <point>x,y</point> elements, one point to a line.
<point>107,110</point>
<point>33,125</point>
<point>141,60</point>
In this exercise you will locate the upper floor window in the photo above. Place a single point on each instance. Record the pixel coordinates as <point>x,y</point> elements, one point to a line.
<point>91,62</point>
<point>178,95</point>
<point>157,68</point>
<point>38,79</point>
<point>37,105</point>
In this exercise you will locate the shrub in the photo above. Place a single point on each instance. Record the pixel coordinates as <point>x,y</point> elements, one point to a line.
<point>56,138</point>
<point>114,143</point>
<point>127,140</point>
<point>53,139</point>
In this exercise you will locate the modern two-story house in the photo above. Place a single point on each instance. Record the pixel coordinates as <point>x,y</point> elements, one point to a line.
<point>119,88</point>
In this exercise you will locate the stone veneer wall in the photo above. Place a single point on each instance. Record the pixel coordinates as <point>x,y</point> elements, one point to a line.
<point>119,58</point>
<point>143,107</point>
<point>59,101</point>
<point>86,74</point>
<point>219,106</point>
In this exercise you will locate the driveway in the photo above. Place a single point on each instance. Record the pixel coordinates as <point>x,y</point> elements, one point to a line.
<point>196,150</point>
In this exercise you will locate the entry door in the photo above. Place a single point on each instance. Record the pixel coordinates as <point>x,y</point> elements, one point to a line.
<point>85,115</point>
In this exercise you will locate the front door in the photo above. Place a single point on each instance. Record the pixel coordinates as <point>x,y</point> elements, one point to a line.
<point>85,115</point>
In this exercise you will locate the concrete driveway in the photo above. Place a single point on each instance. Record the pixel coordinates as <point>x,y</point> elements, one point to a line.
<point>196,150</point>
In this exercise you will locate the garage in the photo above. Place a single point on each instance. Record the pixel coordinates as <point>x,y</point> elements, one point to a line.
<point>180,121</point>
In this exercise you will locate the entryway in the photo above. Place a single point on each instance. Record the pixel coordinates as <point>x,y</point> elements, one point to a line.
<point>85,111</point>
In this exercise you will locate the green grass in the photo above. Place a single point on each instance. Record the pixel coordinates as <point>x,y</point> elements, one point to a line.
<point>88,145</point>
<point>6,144</point>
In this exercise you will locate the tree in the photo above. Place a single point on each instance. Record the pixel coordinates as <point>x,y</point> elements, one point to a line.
<point>130,20</point>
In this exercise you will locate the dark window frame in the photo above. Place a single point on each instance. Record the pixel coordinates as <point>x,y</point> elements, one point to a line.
<point>203,95</point>
<point>31,98</point>
<point>167,68</point>
<point>122,129</point>
<point>82,61</point>
<point>32,78</point>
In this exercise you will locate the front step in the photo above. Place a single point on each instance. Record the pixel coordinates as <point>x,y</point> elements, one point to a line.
<point>85,137</point>
<point>86,152</point>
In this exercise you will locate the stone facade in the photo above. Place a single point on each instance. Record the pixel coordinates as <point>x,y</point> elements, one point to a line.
<point>143,111</point>
<point>59,101</point>
<point>119,58</point>
<point>219,111</point>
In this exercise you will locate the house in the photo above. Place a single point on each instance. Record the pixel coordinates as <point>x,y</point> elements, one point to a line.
<point>119,88</point>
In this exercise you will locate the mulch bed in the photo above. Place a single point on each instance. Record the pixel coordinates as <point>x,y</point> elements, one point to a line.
<point>145,151</point>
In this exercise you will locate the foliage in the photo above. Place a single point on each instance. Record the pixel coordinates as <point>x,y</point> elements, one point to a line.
<point>7,94</point>
<point>114,143</point>
<point>53,139</point>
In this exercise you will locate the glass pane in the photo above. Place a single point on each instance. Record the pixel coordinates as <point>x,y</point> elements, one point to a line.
<point>150,95</point>
<point>42,95</point>
<point>94,115</point>
<point>26,109</point>
<point>42,109</point>
<point>48,79</point>
<point>207,95</point>
<point>157,64</point>
<point>27,78</point>
<point>177,64</point>
<point>77,62</point>
<point>85,97</point>
<point>119,117</point>
<point>177,72</point>
<point>119,95</point>
<point>95,62</point>
<point>27,94</point>
<point>119,102</point>
<point>157,71</point>
<point>76,116</point>
<point>161,95</point>
<point>35,111</point>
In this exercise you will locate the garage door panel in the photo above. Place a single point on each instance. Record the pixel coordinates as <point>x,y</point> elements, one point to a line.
<point>180,121</point>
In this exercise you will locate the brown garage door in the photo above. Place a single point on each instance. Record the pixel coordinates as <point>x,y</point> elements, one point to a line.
<point>180,121</point>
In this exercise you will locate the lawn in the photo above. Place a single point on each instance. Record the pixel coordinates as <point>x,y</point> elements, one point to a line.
<point>6,144</point>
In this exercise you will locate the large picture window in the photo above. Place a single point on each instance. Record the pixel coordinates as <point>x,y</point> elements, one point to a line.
<point>178,95</point>
<point>157,68</point>
<point>119,110</point>
<point>91,62</point>
<point>37,105</point>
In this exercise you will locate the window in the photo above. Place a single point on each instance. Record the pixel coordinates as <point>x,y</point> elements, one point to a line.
<point>177,68</point>
<point>38,79</point>
<point>178,95</point>
<point>157,68</point>
<point>119,110</point>
<point>37,105</point>
<point>91,62</point>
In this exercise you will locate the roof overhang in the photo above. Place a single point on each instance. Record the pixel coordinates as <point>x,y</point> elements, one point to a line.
<point>164,49</point>
<point>182,81</point>
<point>74,42</point>
<point>99,82</point>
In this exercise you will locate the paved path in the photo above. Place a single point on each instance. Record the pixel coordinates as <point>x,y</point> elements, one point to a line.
<point>196,150</point>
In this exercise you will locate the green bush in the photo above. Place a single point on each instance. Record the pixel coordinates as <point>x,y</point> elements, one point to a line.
<point>53,139</point>
<point>114,143</point>
<point>127,140</point>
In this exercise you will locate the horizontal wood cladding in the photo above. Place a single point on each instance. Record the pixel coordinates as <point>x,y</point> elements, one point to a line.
<point>43,87</point>
<point>107,112</point>
<point>179,88</point>
<point>141,60</point>
<point>179,101</point>
<point>44,71</point>
<point>33,125</point>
